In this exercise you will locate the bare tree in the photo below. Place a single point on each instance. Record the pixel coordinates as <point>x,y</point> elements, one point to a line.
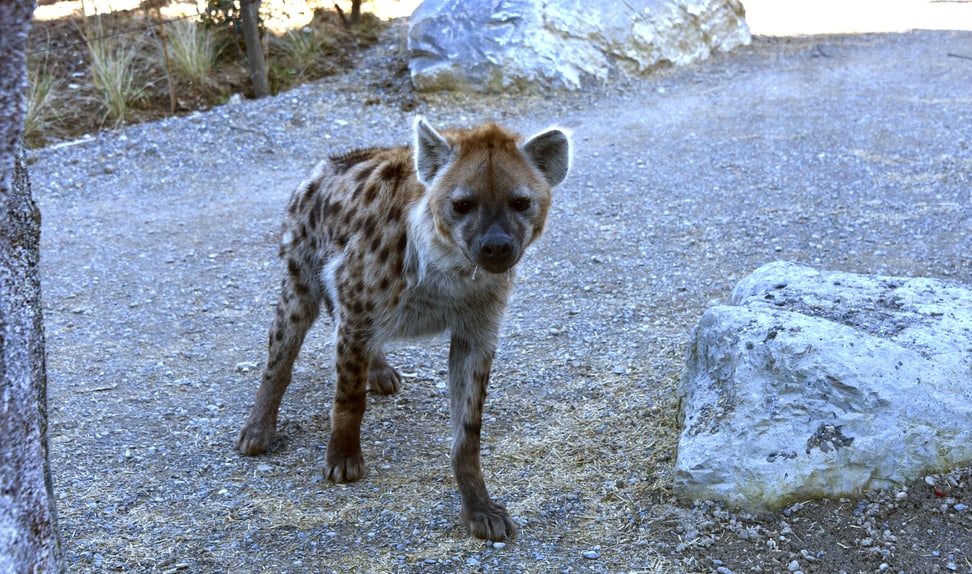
<point>250,21</point>
<point>355,14</point>
<point>28,522</point>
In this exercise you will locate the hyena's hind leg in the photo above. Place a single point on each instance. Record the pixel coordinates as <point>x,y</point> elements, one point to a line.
<point>297,309</point>
<point>383,379</point>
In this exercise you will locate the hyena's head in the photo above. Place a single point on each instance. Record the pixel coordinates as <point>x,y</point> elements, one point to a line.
<point>488,192</point>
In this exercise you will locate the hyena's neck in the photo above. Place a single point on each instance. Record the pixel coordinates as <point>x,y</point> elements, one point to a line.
<point>427,253</point>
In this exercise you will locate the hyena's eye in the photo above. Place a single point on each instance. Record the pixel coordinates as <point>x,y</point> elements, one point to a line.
<point>462,206</point>
<point>520,204</point>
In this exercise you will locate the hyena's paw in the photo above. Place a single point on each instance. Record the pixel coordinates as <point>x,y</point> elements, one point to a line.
<point>383,379</point>
<point>343,469</point>
<point>255,439</point>
<point>489,521</point>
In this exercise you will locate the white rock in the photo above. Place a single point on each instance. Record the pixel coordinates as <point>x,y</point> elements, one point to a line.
<point>823,384</point>
<point>488,46</point>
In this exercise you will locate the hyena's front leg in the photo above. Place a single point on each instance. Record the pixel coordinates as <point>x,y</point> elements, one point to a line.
<point>469,368</point>
<point>296,312</point>
<point>344,461</point>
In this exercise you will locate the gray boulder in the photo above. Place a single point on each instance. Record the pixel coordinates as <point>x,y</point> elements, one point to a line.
<point>812,384</point>
<point>520,45</point>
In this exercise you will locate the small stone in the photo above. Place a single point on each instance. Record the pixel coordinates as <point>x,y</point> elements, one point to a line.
<point>499,545</point>
<point>960,507</point>
<point>245,366</point>
<point>793,566</point>
<point>591,555</point>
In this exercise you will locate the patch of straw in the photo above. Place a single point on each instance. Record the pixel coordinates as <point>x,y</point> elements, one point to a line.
<point>116,72</point>
<point>193,51</point>
<point>42,104</point>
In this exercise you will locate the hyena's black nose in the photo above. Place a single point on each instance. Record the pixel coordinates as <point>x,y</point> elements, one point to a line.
<point>497,250</point>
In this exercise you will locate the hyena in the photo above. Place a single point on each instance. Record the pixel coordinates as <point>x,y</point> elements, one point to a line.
<point>404,242</point>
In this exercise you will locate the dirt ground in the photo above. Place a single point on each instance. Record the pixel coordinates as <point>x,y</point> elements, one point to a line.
<point>158,258</point>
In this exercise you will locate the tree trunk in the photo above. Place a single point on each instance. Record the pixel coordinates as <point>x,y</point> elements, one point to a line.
<point>250,20</point>
<point>28,522</point>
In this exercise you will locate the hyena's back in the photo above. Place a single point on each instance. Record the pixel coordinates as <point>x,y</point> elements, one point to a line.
<point>353,206</point>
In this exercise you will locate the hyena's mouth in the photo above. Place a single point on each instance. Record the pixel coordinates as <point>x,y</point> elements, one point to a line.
<point>497,270</point>
<point>498,264</point>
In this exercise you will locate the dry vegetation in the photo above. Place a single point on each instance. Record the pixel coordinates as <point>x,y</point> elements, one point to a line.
<point>91,70</point>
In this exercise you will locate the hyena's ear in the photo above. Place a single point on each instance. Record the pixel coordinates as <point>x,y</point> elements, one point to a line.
<point>549,152</point>
<point>432,151</point>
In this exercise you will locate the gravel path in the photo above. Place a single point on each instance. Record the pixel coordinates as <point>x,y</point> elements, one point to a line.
<point>160,272</point>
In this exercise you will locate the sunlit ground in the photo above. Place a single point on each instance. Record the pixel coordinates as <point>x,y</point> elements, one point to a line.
<point>284,14</point>
<point>804,17</point>
<point>765,17</point>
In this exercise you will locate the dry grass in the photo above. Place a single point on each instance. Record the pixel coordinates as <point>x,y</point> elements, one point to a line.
<point>569,463</point>
<point>585,459</point>
<point>193,51</point>
<point>117,71</point>
<point>317,50</point>
<point>43,115</point>
<point>299,54</point>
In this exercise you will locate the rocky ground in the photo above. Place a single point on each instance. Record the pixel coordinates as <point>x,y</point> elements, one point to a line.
<point>159,268</point>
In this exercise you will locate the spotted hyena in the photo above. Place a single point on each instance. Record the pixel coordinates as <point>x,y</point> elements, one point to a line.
<point>407,242</point>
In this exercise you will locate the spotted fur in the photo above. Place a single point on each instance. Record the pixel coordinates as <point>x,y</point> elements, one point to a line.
<point>406,242</point>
